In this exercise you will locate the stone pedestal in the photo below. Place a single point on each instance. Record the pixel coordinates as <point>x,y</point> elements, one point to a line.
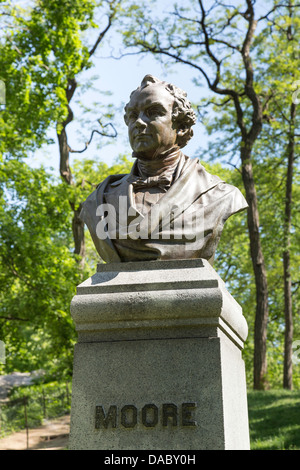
<point>158,361</point>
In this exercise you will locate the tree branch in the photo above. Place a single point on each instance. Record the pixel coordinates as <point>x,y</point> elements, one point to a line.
<point>176,57</point>
<point>100,37</point>
<point>234,166</point>
<point>14,318</point>
<point>264,17</point>
<point>214,86</point>
<point>257,116</point>
<point>64,148</point>
<point>98,132</point>
<point>109,24</point>
<point>227,44</point>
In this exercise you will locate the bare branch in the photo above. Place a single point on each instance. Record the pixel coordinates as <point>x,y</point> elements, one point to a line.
<point>234,166</point>
<point>230,18</point>
<point>227,44</point>
<point>214,86</point>
<point>109,24</point>
<point>185,18</point>
<point>113,135</point>
<point>100,37</point>
<point>175,57</point>
<point>207,46</point>
<point>64,148</point>
<point>276,7</point>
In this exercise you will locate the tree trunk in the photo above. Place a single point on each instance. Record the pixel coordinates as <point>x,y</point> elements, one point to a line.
<point>288,311</point>
<point>64,149</point>
<point>64,153</point>
<point>262,308</point>
<point>66,174</point>
<point>78,235</point>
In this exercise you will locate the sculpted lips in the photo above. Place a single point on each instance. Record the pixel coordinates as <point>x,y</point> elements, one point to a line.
<point>141,136</point>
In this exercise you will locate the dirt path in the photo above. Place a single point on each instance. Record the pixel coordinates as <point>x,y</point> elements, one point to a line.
<point>53,435</point>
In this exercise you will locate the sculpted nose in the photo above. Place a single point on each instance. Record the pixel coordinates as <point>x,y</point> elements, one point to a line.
<point>140,122</point>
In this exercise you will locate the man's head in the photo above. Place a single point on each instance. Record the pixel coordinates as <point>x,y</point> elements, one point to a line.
<point>159,117</point>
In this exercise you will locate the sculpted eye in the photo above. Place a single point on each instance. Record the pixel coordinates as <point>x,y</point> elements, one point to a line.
<point>133,115</point>
<point>154,111</point>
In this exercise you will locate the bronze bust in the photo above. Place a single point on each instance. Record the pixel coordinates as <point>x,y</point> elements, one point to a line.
<point>169,206</point>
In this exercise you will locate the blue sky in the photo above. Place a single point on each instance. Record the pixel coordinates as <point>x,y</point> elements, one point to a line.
<point>119,77</point>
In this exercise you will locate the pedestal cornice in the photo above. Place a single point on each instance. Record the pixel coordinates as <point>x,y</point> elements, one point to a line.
<point>156,299</point>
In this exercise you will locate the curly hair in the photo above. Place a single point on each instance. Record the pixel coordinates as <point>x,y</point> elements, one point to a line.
<point>183,114</point>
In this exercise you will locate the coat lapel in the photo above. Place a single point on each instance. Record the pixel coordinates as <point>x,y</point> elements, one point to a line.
<point>188,187</point>
<point>123,191</point>
<point>91,217</point>
<point>193,182</point>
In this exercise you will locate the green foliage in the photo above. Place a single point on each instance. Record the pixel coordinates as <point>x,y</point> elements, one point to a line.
<point>44,401</point>
<point>177,36</point>
<point>42,48</point>
<point>39,272</point>
<point>89,173</point>
<point>233,262</point>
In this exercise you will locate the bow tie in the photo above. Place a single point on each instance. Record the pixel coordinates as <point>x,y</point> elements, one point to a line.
<point>162,182</point>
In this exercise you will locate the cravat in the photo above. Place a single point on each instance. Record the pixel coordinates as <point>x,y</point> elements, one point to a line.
<point>162,182</point>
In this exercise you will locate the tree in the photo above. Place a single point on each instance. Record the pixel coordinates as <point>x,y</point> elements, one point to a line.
<point>205,38</point>
<point>44,49</point>
<point>31,103</point>
<point>288,364</point>
<point>274,163</point>
<point>38,271</point>
<point>219,41</point>
<point>280,53</point>
<point>290,151</point>
<point>64,148</point>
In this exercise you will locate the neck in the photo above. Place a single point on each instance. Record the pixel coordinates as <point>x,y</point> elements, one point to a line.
<point>164,162</point>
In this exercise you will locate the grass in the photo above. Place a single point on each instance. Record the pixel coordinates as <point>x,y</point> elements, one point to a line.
<point>274,416</point>
<point>274,420</point>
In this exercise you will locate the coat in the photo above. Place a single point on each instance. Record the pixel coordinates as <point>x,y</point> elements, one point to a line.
<point>186,222</point>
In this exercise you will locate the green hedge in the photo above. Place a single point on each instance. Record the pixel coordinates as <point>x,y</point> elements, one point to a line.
<point>29,406</point>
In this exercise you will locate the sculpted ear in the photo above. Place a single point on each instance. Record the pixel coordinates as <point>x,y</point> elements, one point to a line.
<point>181,132</point>
<point>183,136</point>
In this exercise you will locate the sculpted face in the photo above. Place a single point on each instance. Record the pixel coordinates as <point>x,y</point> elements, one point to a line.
<point>149,117</point>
